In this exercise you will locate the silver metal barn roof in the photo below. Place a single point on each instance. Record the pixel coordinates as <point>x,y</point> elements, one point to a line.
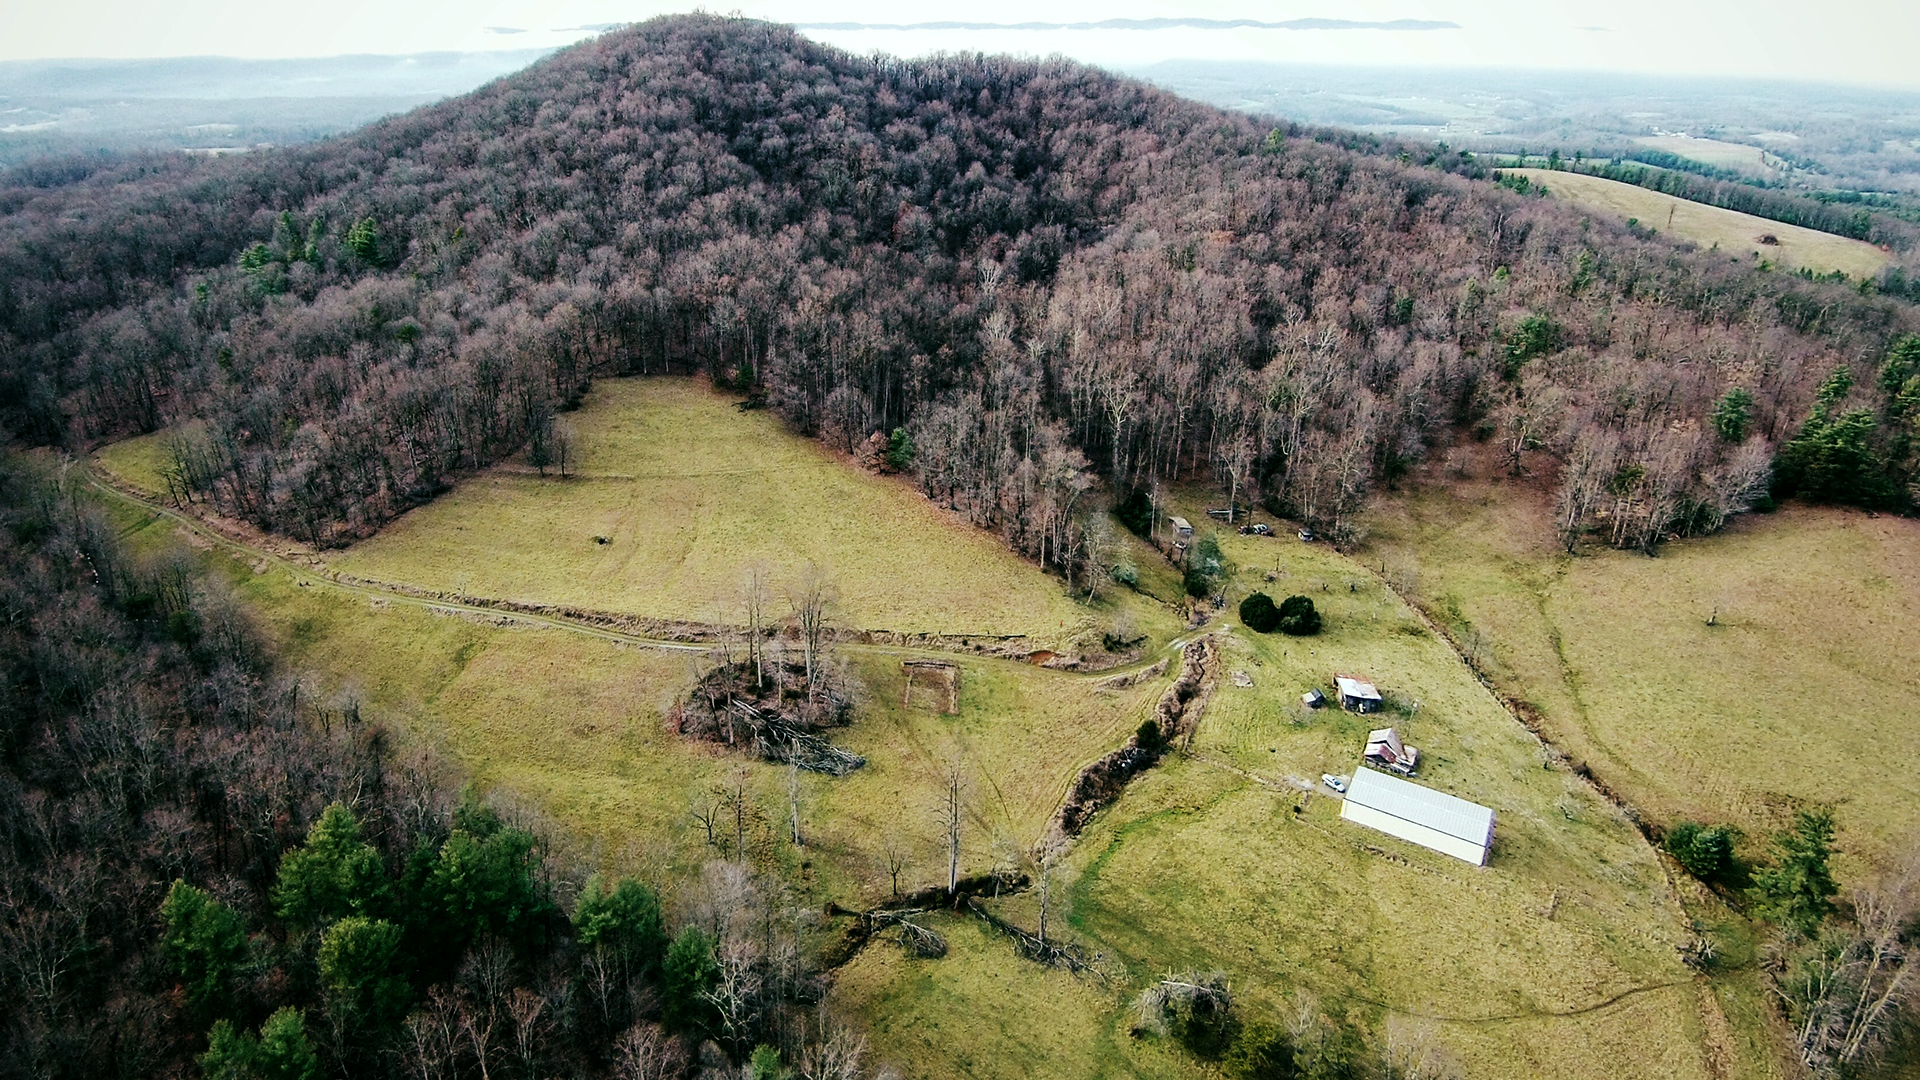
<point>1433,819</point>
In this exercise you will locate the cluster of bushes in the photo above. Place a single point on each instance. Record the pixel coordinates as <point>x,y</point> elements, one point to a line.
<point>1793,888</point>
<point>1295,615</point>
<point>1705,851</point>
<point>1198,1011</point>
<point>1207,567</point>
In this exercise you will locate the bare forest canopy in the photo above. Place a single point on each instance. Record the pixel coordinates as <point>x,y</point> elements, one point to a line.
<point>1039,274</point>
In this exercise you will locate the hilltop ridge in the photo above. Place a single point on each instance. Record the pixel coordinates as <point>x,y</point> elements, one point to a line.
<point>1039,273</point>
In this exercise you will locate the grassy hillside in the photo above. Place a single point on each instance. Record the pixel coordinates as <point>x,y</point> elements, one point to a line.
<point>689,492</point>
<point>1556,959</point>
<point>1559,957</point>
<point>1730,231</point>
<point>1733,678</point>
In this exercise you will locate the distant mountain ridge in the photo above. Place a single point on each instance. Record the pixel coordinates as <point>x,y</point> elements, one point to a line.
<point>1148,24</point>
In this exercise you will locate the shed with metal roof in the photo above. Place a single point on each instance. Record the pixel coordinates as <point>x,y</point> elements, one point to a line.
<point>1433,819</point>
<point>1357,694</point>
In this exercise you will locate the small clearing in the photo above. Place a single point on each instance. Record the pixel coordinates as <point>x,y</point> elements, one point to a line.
<point>1733,233</point>
<point>687,492</point>
<point>1725,155</point>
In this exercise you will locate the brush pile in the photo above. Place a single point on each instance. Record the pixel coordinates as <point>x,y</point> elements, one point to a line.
<point>771,711</point>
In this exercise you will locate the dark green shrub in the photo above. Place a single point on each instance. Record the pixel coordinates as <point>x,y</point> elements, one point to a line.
<point>363,240</point>
<point>1259,614</point>
<point>183,626</point>
<point>1149,736</point>
<point>205,943</point>
<point>1205,1025</point>
<point>1298,617</point>
<point>900,450</point>
<point>1262,1052</point>
<point>280,1052</point>
<point>1206,567</point>
<point>1136,512</point>
<point>1706,851</point>
<point>1797,890</point>
<point>624,922</point>
<point>689,974</point>
<point>1536,335</point>
<point>1733,414</point>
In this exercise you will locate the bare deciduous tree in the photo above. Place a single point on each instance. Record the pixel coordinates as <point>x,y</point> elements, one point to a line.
<point>1845,990</point>
<point>813,597</point>
<point>895,856</point>
<point>951,812</point>
<point>645,1052</point>
<point>755,598</point>
<point>1411,1051</point>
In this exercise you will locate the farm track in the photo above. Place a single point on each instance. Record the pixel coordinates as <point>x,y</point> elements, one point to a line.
<point>699,637</point>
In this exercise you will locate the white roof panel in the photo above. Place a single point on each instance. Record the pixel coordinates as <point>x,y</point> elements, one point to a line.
<point>1464,850</point>
<point>1355,687</point>
<point>1422,806</point>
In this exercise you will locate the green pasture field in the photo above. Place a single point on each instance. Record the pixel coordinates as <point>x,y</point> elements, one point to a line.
<point>1732,678</point>
<point>690,491</point>
<point>576,725</point>
<point>1559,958</point>
<point>1730,231</point>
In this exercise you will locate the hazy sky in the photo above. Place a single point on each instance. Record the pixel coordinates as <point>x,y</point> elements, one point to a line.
<point>1857,41</point>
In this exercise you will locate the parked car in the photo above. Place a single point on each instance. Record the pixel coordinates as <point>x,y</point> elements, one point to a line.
<point>1337,783</point>
<point>1306,535</point>
<point>1256,530</point>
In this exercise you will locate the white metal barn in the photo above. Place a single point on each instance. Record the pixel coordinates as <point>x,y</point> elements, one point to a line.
<point>1427,817</point>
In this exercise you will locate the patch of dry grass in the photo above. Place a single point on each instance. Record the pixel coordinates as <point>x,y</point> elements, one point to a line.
<point>1725,155</point>
<point>1732,678</point>
<point>688,491</point>
<point>1730,231</point>
<point>139,463</point>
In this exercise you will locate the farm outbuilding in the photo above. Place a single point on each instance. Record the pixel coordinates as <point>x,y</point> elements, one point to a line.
<point>1386,751</point>
<point>1182,531</point>
<point>1357,694</point>
<point>1421,815</point>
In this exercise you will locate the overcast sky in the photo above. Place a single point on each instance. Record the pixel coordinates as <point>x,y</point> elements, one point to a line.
<point>1853,41</point>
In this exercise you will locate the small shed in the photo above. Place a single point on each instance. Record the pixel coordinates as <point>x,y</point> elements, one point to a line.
<point>1386,751</point>
<point>1313,699</point>
<point>1182,530</point>
<point>1432,819</point>
<point>1357,694</point>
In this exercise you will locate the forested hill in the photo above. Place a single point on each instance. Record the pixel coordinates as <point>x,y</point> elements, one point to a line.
<point>1038,271</point>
